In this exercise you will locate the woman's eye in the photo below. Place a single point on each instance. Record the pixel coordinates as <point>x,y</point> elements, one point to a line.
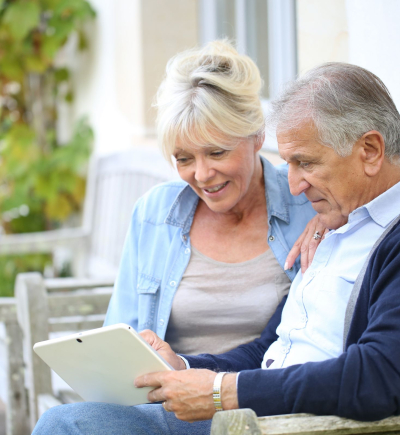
<point>218,153</point>
<point>181,160</point>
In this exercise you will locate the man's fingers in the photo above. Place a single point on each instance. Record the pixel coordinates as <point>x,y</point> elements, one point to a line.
<point>149,380</point>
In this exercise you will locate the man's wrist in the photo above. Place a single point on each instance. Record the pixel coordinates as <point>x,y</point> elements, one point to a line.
<point>229,397</point>
<point>185,361</point>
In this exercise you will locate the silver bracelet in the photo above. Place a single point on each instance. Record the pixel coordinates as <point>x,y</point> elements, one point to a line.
<point>217,391</point>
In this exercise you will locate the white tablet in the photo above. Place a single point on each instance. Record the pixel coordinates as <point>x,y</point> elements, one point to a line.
<point>101,364</point>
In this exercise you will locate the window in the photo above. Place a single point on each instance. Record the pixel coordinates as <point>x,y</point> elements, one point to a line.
<point>263,29</point>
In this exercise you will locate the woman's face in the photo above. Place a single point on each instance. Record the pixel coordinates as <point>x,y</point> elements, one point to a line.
<point>223,179</point>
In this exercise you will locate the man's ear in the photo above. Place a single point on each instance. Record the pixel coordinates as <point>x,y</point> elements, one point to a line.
<point>259,140</point>
<point>372,149</point>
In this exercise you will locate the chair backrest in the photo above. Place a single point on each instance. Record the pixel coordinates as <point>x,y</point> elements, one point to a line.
<point>117,181</point>
<point>56,305</point>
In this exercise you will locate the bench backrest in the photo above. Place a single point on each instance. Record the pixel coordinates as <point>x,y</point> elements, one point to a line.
<point>56,305</point>
<point>115,183</point>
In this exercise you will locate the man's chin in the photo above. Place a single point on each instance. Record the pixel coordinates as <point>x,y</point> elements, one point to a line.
<point>332,221</point>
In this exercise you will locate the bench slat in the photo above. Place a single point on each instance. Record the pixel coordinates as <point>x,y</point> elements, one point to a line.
<point>80,303</point>
<point>302,424</point>
<point>77,325</point>
<point>8,310</point>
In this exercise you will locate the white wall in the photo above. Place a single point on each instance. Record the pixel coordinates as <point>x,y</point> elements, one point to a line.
<point>95,82</point>
<point>322,33</point>
<point>374,39</point>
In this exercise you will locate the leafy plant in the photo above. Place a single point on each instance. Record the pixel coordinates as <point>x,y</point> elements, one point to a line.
<point>42,181</point>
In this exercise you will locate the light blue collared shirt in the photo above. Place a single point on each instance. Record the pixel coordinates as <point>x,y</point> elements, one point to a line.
<point>312,322</point>
<point>157,247</point>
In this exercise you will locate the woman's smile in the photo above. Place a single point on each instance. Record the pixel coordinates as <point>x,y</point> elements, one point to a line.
<point>212,190</point>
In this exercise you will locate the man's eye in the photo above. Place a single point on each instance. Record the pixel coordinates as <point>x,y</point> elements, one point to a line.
<point>305,164</point>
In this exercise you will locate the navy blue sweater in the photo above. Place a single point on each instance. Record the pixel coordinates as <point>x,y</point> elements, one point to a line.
<point>363,383</point>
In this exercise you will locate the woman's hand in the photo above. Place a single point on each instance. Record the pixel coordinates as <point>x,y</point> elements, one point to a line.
<point>164,349</point>
<point>189,394</point>
<point>306,244</point>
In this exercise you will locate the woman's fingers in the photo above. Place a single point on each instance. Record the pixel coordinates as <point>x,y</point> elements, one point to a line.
<point>306,245</point>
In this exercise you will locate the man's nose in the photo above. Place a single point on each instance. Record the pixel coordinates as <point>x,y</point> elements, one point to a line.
<point>297,183</point>
<point>204,171</point>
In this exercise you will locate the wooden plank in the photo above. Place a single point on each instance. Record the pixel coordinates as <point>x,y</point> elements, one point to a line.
<point>43,242</point>
<point>80,303</point>
<point>60,284</point>
<point>302,424</point>
<point>76,325</point>
<point>235,422</point>
<point>8,310</point>
<point>33,317</point>
<point>45,402</point>
<point>17,413</point>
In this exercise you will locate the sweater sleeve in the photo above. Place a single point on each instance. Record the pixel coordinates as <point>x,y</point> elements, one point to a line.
<point>245,357</point>
<point>364,382</point>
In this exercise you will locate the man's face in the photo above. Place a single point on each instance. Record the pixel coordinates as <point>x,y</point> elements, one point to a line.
<point>335,185</point>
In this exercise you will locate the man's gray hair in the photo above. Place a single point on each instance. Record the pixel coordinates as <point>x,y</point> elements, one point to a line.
<point>343,101</point>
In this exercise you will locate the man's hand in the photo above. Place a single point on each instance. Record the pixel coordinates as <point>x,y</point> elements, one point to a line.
<point>306,245</point>
<point>189,393</point>
<point>164,349</point>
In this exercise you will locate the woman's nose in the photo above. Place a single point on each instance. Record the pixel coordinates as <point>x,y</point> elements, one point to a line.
<point>204,171</point>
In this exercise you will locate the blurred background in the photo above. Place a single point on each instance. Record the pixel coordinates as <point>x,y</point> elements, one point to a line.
<point>79,77</point>
<point>77,80</point>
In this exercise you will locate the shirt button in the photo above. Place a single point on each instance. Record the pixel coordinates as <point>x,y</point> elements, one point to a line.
<point>161,322</point>
<point>271,238</point>
<point>172,283</point>
<point>184,238</point>
<point>187,251</point>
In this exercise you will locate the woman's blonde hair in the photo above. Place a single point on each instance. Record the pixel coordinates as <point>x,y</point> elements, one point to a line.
<point>209,96</point>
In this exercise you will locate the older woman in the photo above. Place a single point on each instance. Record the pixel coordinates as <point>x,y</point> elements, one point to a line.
<point>204,259</point>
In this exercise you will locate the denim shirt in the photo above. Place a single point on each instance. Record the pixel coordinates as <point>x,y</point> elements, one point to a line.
<point>157,247</point>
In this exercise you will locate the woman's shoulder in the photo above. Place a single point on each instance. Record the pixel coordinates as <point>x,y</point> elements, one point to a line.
<point>157,202</point>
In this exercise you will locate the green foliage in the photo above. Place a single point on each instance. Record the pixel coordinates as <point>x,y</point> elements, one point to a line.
<point>12,265</point>
<point>42,182</point>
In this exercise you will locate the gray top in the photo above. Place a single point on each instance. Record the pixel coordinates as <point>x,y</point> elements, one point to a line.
<point>219,306</point>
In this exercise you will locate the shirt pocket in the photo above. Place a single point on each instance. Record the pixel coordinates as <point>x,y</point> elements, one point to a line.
<point>148,296</point>
<point>326,318</point>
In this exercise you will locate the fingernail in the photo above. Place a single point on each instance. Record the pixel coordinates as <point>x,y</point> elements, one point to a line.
<point>286,266</point>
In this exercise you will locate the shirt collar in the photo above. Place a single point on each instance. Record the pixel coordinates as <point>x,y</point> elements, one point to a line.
<point>382,209</point>
<point>182,210</point>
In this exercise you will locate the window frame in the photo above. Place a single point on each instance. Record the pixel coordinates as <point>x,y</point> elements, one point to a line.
<point>282,42</point>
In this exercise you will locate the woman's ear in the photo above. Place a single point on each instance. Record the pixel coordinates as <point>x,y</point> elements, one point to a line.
<point>372,148</point>
<point>259,140</point>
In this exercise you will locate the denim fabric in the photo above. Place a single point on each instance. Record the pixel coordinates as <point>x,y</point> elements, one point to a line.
<point>90,418</point>
<point>157,248</point>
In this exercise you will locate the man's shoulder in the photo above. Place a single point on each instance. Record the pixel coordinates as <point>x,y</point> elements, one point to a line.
<point>389,248</point>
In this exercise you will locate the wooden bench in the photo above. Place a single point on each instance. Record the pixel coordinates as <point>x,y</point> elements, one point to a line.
<point>54,306</point>
<point>115,182</point>
<point>245,422</point>
<point>16,404</point>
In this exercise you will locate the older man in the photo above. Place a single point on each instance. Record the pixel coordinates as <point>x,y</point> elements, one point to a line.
<point>334,347</point>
